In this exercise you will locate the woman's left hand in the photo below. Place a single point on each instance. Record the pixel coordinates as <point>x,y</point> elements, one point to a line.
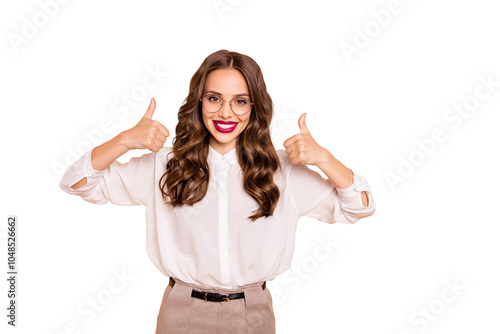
<point>302,148</point>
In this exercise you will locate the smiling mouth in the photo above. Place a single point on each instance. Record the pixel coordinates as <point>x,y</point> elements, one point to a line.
<point>225,126</point>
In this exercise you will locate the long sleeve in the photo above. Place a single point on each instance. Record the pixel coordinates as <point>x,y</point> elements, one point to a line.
<point>131,183</point>
<point>317,197</point>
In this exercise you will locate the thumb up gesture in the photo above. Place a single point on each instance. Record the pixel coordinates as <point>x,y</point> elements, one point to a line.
<point>148,133</point>
<point>302,148</point>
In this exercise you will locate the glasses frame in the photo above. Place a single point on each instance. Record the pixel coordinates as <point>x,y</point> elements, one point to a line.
<point>222,104</point>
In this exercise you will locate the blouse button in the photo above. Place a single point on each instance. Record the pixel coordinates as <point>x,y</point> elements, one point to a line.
<point>89,172</point>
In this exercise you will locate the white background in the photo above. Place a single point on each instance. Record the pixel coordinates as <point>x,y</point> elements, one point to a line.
<point>436,226</point>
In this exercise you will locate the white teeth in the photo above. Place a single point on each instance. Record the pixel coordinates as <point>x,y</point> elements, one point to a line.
<point>226,126</point>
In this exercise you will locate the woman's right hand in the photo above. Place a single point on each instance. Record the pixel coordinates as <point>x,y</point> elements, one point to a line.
<point>147,133</point>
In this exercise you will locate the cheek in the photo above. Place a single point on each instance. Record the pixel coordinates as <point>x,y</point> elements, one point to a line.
<point>206,120</point>
<point>246,121</point>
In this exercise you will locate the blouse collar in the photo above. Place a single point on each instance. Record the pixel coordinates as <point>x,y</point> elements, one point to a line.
<point>214,156</point>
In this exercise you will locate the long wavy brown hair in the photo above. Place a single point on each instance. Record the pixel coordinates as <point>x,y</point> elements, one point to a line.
<point>187,172</point>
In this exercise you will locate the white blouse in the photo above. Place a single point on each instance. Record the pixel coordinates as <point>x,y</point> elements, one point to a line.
<point>213,243</point>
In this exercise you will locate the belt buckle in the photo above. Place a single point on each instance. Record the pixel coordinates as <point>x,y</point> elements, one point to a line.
<point>226,296</point>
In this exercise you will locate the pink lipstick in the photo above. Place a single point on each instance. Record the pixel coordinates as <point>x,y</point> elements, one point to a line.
<point>224,126</point>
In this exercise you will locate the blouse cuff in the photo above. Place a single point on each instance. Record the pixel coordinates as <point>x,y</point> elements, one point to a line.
<point>87,165</point>
<point>81,168</point>
<point>359,184</point>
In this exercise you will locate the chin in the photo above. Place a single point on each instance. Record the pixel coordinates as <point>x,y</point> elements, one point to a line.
<point>225,140</point>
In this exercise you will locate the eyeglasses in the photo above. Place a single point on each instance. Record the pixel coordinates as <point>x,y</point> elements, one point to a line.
<point>240,105</point>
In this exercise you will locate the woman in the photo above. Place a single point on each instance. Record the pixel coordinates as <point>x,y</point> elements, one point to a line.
<point>222,205</point>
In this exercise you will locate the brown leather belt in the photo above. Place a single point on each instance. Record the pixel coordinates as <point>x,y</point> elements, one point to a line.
<point>215,297</point>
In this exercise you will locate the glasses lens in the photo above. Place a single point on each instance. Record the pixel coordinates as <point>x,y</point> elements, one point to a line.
<point>212,103</point>
<point>241,105</point>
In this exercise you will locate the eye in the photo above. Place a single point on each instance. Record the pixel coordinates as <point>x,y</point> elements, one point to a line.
<point>241,102</point>
<point>213,98</point>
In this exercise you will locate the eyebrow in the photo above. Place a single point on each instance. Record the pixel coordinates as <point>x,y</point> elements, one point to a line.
<point>217,93</point>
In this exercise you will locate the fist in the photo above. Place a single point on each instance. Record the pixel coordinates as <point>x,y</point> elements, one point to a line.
<point>302,148</point>
<point>148,133</point>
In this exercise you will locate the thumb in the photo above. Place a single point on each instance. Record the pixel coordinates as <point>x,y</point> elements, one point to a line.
<point>151,108</point>
<point>302,123</point>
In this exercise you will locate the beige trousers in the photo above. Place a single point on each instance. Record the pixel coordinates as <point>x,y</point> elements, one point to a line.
<point>181,313</point>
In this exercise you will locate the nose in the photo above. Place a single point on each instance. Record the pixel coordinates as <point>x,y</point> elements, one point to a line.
<point>226,111</point>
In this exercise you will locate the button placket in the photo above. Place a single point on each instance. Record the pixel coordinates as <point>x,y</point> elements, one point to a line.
<point>222,168</point>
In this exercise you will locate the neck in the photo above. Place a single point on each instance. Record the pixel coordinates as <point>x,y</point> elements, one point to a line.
<point>222,149</point>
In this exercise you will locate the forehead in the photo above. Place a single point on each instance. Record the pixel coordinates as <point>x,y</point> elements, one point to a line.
<point>226,82</point>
